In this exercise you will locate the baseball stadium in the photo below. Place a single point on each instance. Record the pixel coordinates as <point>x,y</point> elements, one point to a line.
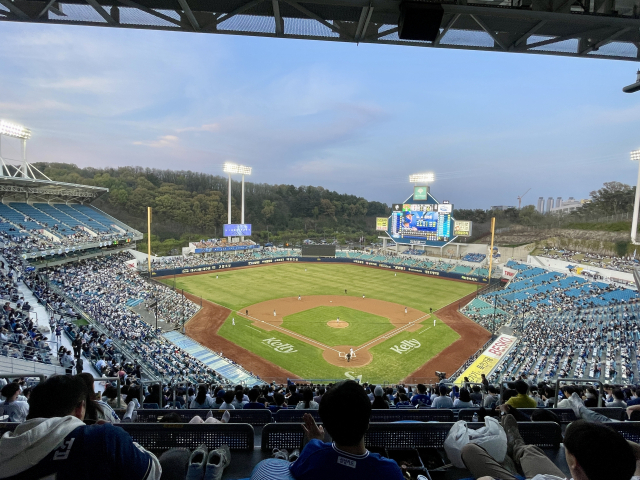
<point>218,322</point>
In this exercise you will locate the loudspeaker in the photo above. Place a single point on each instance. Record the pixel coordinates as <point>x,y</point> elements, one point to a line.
<point>419,21</point>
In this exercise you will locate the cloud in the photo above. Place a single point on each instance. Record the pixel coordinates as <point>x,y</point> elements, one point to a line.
<point>211,127</point>
<point>165,141</point>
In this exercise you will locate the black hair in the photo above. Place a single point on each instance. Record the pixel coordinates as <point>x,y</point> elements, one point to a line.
<point>279,399</point>
<point>202,394</point>
<point>9,390</point>
<point>443,390</point>
<point>617,393</point>
<point>229,396</point>
<point>492,389</point>
<point>521,387</point>
<point>508,394</point>
<point>421,388</point>
<point>92,408</point>
<point>464,395</point>
<point>253,395</point>
<point>58,396</point>
<point>345,410</point>
<point>173,417</point>
<point>590,443</point>
<point>307,397</point>
<point>239,395</point>
<point>476,389</point>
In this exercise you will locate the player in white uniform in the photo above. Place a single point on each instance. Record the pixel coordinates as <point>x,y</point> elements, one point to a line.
<point>274,313</point>
<point>434,322</point>
<point>233,321</point>
<point>405,309</point>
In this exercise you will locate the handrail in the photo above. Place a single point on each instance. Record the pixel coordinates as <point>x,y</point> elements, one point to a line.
<point>578,380</point>
<point>41,376</point>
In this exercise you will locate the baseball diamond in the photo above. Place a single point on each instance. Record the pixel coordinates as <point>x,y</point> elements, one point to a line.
<point>316,324</point>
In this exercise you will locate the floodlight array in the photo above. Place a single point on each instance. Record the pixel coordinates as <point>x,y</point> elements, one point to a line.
<point>233,168</point>
<point>635,155</point>
<point>14,130</point>
<point>422,177</point>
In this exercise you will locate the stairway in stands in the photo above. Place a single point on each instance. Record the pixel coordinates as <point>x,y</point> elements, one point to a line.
<point>222,366</point>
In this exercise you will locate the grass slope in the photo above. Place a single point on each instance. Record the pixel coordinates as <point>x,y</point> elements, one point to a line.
<point>312,323</point>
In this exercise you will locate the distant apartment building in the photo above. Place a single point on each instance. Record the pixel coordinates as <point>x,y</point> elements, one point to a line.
<point>540,205</point>
<point>549,205</point>
<point>567,206</point>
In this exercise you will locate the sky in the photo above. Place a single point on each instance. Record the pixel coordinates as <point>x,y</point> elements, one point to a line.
<point>357,119</point>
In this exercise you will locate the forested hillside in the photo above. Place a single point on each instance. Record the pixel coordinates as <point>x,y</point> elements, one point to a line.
<point>190,205</point>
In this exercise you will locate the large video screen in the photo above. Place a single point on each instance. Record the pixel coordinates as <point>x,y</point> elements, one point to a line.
<point>422,222</point>
<point>318,250</point>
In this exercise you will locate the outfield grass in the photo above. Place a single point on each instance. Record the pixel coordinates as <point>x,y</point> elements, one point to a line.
<point>312,323</point>
<point>240,288</point>
<point>237,289</point>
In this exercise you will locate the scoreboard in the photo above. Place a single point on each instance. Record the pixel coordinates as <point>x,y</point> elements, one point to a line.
<point>421,220</point>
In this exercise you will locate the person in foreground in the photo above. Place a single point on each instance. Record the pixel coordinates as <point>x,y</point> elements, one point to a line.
<point>593,452</point>
<point>345,410</point>
<point>54,442</point>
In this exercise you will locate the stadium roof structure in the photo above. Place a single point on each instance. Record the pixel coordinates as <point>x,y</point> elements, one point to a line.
<point>578,28</point>
<point>19,188</point>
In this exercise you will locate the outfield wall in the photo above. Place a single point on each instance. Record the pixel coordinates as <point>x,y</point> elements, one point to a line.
<point>390,266</point>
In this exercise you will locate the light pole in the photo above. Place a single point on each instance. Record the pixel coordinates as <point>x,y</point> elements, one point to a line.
<point>244,170</point>
<point>635,156</point>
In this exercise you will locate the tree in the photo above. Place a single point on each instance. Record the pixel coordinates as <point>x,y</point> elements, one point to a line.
<point>613,198</point>
<point>268,208</point>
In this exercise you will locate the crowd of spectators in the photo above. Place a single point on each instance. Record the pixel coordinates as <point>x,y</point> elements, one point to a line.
<point>222,242</point>
<point>201,259</point>
<point>610,262</point>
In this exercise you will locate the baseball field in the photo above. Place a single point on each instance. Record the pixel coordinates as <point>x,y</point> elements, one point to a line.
<point>303,319</point>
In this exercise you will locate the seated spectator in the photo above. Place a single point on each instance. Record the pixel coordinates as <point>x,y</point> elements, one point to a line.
<point>464,401</point>
<point>253,402</point>
<point>421,398</point>
<point>238,402</point>
<point>491,399</point>
<point>442,400</point>
<point>55,443</point>
<point>202,400</point>
<point>96,409</point>
<point>17,410</point>
<point>522,400</point>
<point>587,445</point>
<point>345,410</point>
<point>618,399</point>
<point>228,401</point>
<point>476,395</point>
<point>307,401</point>
<point>279,402</point>
<point>379,400</point>
<point>591,397</point>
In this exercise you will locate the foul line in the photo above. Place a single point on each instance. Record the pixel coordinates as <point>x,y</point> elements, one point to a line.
<point>289,332</point>
<point>393,332</point>
<point>422,331</point>
<point>249,326</point>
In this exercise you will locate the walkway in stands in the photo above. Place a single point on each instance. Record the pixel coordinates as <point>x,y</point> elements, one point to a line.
<point>220,365</point>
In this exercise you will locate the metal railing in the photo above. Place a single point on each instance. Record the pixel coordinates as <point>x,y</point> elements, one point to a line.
<point>578,381</point>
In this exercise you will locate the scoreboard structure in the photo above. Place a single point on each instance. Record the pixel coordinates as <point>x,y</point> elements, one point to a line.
<point>421,220</point>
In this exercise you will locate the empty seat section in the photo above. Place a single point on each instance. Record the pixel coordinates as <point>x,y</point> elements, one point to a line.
<point>17,217</point>
<point>97,216</point>
<point>92,224</point>
<point>59,216</point>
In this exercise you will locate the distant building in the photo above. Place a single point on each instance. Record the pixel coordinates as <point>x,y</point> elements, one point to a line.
<point>501,207</point>
<point>541,204</point>
<point>567,206</point>
<point>549,205</point>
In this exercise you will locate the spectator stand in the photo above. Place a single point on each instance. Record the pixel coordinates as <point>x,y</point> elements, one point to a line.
<point>575,381</point>
<point>254,417</point>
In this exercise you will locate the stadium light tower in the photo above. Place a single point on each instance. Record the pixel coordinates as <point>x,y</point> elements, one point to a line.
<point>635,156</point>
<point>243,170</point>
<point>24,169</point>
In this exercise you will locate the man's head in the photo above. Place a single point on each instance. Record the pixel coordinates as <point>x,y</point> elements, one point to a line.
<point>618,395</point>
<point>58,396</point>
<point>522,387</point>
<point>596,452</point>
<point>345,410</point>
<point>253,395</point>
<point>443,390</point>
<point>422,389</point>
<point>10,391</point>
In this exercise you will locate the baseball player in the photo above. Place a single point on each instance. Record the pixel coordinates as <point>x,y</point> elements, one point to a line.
<point>299,298</point>
<point>338,320</point>
<point>274,313</point>
<point>233,321</point>
<point>434,322</point>
<point>363,295</point>
<point>351,352</point>
<point>348,357</point>
<point>405,309</point>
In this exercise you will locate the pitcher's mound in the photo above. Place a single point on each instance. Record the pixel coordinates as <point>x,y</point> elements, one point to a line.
<point>338,324</point>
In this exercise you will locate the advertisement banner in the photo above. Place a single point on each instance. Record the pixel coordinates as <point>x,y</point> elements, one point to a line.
<point>382,223</point>
<point>462,228</point>
<point>508,273</point>
<point>396,207</point>
<point>419,193</point>
<point>445,208</point>
<point>488,360</point>
<point>236,230</point>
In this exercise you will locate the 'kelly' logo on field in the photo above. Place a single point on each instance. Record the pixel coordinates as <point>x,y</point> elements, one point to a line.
<point>278,346</point>
<point>406,346</point>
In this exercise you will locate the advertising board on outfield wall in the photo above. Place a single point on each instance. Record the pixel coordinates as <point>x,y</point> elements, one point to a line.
<point>390,266</point>
<point>488,360</point>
